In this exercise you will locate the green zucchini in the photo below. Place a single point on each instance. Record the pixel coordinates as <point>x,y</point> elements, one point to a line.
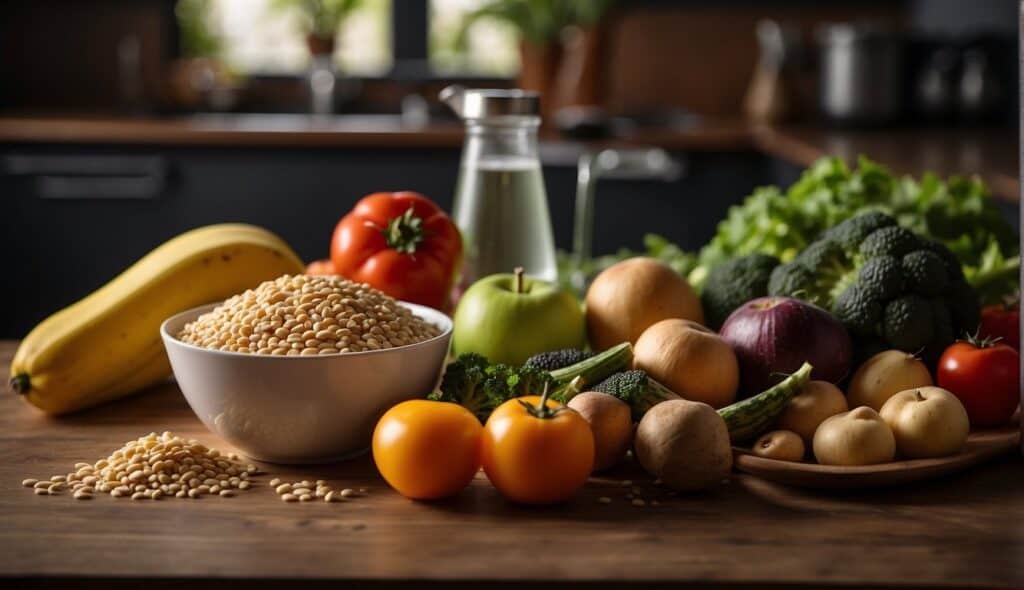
<point>748,418</point>
<point>596,368</point>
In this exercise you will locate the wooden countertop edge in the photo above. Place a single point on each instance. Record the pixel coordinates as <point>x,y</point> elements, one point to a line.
<point>801,146</point>
<point>792,144</point>
<point>176,133</point>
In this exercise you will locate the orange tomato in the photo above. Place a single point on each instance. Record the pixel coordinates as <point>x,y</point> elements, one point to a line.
<point>321,267</point>
<point>426,449</point>
<point>535,459</point>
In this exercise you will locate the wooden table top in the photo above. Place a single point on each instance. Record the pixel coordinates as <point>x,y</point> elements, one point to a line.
<point>962,531</point>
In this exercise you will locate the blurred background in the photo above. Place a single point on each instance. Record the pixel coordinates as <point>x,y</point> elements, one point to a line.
<point>126,122</point>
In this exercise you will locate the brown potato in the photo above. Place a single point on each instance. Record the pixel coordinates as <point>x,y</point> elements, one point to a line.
<point>784,445</point>
<point>611,423</point>
<point>684,443</point>
<point>815,402</point>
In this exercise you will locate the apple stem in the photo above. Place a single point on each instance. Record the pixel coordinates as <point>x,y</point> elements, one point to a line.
<point>920,397</point>
<point>518,271</point>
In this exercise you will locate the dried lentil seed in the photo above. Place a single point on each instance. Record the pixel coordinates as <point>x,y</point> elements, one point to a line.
<point>289,498</point>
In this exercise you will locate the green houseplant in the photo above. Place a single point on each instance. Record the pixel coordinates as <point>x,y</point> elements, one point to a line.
<point>539,24</point>
<point>321,20</point>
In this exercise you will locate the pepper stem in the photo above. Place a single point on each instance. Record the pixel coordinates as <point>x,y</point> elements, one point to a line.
<point>518,271</point>
<point>405,232</point>
<point>21,384</point>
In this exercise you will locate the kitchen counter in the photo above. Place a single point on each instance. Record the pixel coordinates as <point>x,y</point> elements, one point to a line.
<point>961,531</point>
<point>990,153</point>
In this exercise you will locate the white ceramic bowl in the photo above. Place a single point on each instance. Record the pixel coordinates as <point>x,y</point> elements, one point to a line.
<point>298,409</point>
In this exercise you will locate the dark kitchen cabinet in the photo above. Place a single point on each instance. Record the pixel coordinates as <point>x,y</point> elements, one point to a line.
<point>71,218</point>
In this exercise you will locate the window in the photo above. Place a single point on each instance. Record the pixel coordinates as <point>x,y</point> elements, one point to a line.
<point>490,49</point>
<point>266,37</point>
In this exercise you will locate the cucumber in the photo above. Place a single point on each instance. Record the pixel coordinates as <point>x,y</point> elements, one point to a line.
<point>750,417</point>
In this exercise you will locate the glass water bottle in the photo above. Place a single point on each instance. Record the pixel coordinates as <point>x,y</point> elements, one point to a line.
<point>501,206</point>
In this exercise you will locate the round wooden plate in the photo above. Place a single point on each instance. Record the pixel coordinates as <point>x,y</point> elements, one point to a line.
<point>981,446</point>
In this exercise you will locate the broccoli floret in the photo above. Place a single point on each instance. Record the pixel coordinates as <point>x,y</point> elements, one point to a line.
<point>471,381</point>
<point>860,313</point>
<point>909,323</point>
<point>881,278</point>
<point>892,286</point>
<point>556,359</point>
<point>791,279</point>
<point>949,260</point>
<point>526,381</point>
<point>852,232</point>
<point>889,241</point>
<point>925,272</point>
<point>637,389</point>
<point>824,256</point>
<point>733,283</point>
<point>464,384</point>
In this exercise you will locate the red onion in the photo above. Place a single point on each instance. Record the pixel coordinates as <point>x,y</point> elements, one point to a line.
<point>773,336</point>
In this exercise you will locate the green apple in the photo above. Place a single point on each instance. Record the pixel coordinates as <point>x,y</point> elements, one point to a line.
<point>509,318</point>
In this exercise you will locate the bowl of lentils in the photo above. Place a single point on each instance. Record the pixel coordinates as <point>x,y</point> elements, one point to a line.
<point>300,368</point>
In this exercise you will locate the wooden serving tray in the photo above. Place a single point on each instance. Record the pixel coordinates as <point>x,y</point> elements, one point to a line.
<point>981,446</point>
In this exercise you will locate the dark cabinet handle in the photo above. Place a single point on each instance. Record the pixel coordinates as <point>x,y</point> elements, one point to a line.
<point>91,177</point>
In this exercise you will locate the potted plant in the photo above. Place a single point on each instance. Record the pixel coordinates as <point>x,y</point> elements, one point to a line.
<point>540,24</point>
<point>321,20</point>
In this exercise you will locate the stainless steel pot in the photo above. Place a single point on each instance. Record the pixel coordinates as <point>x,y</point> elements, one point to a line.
<point>861,74</point>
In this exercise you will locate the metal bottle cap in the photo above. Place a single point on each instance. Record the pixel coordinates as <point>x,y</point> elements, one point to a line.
<point>483,103</point>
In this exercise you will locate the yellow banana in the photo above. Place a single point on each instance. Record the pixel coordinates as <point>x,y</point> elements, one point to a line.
<point>108,345</point>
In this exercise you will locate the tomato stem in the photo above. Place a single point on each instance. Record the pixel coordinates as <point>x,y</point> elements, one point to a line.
<point>978,341</point>
<point>518,271</point>
<point>541,411</point>
<point>405,232</point>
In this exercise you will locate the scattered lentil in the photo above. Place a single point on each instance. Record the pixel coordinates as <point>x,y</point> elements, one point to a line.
<point>639,502</point>
<point>604,500</point>
<point>151,467</point>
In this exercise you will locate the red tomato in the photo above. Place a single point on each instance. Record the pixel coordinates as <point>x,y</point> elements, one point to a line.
<point>401,243</point>
<point>320,267</point>
<point>537,456</point>
<point>986,379</point>
<point>1003,322</point>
